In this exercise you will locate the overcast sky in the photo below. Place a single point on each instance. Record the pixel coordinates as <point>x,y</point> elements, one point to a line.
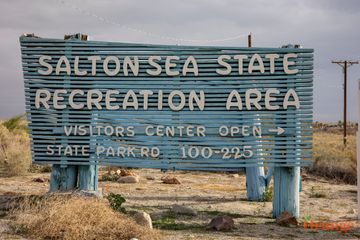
<point>331,27</point>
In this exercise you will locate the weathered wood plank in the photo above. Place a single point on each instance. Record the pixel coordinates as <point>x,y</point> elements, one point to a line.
<point>286,191</point>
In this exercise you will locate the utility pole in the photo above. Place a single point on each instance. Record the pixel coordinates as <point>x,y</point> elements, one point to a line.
<point>345,64</point>
<point>249,40</point>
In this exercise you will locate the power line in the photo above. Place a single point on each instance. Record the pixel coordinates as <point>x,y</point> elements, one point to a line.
<point>105,20</point>
<point>345,65</point>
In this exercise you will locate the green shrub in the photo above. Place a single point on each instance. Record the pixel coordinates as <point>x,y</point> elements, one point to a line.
<point>110,178</point>
<point>116,200</point>
<point>16,123</point>
<point>268,194</point>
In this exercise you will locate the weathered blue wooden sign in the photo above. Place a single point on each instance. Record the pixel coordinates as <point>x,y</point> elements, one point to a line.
<point>168,107</point>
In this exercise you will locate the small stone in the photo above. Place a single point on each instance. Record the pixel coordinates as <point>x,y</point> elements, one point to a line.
<point>88,193</point>
<point>118,172</point>
<point>143,219</point>
<point>221,223</point>
<point>235,175</point>
<point>151,178</point>
<point>170,180</point>
<point>181,209</point>
<point>129,179</point>
<point>112,173</point>
<point>40,180</point>
<point>285,219</point>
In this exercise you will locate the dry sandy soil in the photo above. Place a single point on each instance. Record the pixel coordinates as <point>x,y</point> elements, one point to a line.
<point>213,194</point>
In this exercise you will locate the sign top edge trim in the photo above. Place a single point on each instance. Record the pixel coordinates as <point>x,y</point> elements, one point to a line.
<point>24,39</point>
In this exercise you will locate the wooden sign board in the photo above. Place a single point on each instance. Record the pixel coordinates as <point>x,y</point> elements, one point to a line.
<point>168,107</point>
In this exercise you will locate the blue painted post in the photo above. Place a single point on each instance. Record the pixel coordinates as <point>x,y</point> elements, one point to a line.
<point>287,179</point>
<point>63,178</point>
<point>255,183</point>
<point>88,177</point>
<point>286,191</point>
<point>55,178</point>
<point>88,174</point>
<point>255,176</point>
<point>70,177</point>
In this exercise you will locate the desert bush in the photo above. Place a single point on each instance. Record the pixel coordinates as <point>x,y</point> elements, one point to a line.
<point>316,194</point>
<point>108,177</point>
<point>77,218</point>
<point>268,194</point>
<point>15,156</point>
<point>16,123</point>
<point>116,200</point>
<point>332,159</point>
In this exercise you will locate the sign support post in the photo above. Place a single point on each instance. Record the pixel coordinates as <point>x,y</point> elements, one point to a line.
<point>286,191</point>
<point>255,176</point>
<point>63,178</point>
<point>70,177</point>
<point>287,179</point>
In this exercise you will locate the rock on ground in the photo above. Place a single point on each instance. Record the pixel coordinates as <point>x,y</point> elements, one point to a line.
<point>143,219</point>
<point>129,179</point>
<point>286,219</point>
<point>88,193</point>
<point>170,180</point>
<point>41,180</point>
<point>221,223</point>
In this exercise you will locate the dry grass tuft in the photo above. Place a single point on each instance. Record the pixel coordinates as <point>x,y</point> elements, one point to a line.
<point>15,156</point>
<point>332,160</point>
<point>69,217</point>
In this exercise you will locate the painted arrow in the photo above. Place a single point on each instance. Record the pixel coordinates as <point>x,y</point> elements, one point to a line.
<point>278,130</point>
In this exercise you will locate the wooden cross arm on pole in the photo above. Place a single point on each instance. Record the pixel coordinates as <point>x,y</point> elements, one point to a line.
<point>342,62</point>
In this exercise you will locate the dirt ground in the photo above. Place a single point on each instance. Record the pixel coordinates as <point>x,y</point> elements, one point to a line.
<point>213,194</point>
